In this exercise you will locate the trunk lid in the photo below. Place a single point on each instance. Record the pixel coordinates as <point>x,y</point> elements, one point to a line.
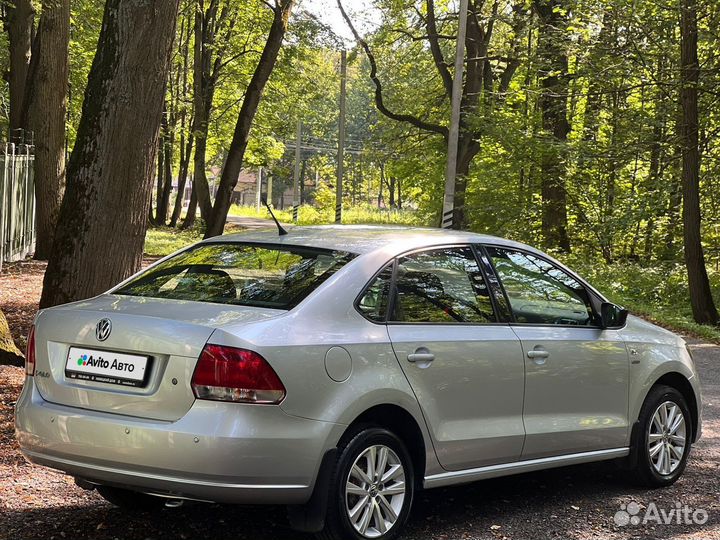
<point>171,333</point>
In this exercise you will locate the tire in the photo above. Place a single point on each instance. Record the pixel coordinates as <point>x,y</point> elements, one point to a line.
<point>655,470</point>
<point>131,501</point>
<point>357,449</point>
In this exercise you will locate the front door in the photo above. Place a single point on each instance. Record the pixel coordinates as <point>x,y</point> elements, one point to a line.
<point>576,384</point>
<point>465,368</point>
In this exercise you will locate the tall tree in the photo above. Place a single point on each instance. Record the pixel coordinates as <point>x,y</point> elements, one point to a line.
<point>210,48</point>
<point>20,20</point>
<point>554,83</point>
<point>185,113</point>
<point>109,177</point>
<point>45,113</point>
<point>486,82</point>
<point>701,299</point>
<point>233,164</point>
<point>166,142</point>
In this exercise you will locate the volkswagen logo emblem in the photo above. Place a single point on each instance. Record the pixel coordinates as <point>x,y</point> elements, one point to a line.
<point>103,329</point>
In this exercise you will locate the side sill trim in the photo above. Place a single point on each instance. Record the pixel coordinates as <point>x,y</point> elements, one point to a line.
<point>517,467</point>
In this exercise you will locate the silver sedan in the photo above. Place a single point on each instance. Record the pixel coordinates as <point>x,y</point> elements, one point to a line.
<point>339,370</point>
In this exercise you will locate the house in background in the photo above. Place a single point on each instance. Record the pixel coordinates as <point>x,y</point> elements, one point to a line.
<point>245,192</point>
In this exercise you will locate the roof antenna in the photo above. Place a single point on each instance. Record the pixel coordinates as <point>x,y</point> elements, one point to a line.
<point>281,230</point>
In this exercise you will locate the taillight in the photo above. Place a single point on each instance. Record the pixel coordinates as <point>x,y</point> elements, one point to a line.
<point>230,374</point>
<point>30,353</point>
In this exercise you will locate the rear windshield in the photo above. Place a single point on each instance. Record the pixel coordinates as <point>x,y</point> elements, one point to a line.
<point>241,274</point>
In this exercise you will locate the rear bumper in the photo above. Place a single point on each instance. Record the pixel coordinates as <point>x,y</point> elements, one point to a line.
<point>219,452</point>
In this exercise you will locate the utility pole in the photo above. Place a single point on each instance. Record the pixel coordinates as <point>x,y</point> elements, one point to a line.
<point>448,211</point>
<point>341,138</point>
<point>258,191</point>
<point>296,175</point>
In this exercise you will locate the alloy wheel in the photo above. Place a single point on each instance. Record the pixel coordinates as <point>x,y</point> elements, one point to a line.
<point>667,438</point>
<point>375,491</point>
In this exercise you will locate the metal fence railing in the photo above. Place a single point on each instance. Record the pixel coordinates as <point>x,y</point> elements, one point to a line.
<point>17,202</point>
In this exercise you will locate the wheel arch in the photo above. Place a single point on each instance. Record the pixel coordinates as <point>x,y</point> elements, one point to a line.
<point>403,424</point>
<point>679,382</point>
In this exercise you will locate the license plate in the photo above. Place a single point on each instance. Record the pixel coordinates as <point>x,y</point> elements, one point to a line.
<point>106,367</point>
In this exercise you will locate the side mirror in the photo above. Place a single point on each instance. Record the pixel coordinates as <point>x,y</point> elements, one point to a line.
<point>612,316</point>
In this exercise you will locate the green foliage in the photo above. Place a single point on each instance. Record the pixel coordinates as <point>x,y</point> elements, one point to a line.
<point>659,293</point>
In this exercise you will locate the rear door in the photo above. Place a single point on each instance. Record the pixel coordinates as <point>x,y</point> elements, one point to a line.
<point>576,385</point>
<point>464,366</point>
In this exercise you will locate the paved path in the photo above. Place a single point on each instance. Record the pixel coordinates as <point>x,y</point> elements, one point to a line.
<point>251,223</point>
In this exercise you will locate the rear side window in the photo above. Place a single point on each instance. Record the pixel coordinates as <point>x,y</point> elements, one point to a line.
<point>442,286</point>
<point>374,303</point>
<point>240,274</point>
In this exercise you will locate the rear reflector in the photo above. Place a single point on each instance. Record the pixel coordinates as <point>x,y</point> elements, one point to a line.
<point>230,374</point>
<point>30,353</point>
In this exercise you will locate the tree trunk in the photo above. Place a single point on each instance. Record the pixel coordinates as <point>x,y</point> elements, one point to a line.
<point>186,139</point>
<point>182,182</point>
<point>191,215</point>
<point>165,148</point>
<point>45,108</point>
<point>201,187</point>
<point>207,64</point>
<point>655,173</point>
<point>553,75</point>
<point>202,105</point>
<point>670,250</point>
<point>701,299</point>
<point>380,188</point>
<point>21,16</point>
<point>164,206</point>
<point>103,218</point>
<point>159,173</point>
<point>468,148</point>
<point>303,168</point>
<point>9,353</point>
<point>236,152</point>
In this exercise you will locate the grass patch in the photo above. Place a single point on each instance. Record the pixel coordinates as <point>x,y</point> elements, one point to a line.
<point>356,215</point>
<point>161,241</point>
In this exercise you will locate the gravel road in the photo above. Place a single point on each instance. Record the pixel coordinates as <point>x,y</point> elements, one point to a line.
<point>574,503</point>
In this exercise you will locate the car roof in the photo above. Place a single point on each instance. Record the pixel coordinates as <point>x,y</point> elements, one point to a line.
<point>361,239</point>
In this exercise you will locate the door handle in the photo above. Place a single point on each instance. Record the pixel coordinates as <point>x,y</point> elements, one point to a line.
<point>537,354</point>
<point>421,355</point>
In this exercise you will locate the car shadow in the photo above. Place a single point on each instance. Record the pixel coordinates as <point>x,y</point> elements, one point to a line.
<point>573,502</point>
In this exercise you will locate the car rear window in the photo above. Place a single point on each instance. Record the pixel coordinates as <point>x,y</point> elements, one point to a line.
<point>278,277</point>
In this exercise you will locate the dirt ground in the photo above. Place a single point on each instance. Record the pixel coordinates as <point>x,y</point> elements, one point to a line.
<point>571,503</point>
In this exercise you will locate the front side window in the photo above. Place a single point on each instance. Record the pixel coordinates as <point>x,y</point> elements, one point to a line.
<point>442,286</point>
<point>239,274</point>
<point>540,292</point>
